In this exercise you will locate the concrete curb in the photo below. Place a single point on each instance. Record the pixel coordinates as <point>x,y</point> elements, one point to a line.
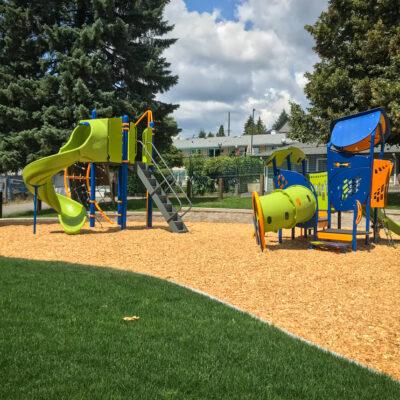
<point>196,214</point>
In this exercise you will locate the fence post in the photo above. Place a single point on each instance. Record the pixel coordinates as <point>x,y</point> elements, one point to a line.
<point>262,184</point>
<point>189,188</point>
<point>1,204</point>
<point>220,188</point>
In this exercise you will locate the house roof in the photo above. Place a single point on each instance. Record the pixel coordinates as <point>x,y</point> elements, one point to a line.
<point>285,128</point>
<point>313,149</point>
<point>232,141</point>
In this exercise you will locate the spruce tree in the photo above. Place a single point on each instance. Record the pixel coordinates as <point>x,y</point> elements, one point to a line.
<point>221,131</point>
<point>358,43</point>
<point>210,134</point>
<point>202,134</point>
<point>281,121</point>
<point>249,126</point>
<point>260,127</point>
<point>60,59</point>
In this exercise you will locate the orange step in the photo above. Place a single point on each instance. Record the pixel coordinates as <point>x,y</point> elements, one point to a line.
<point>340,235</point>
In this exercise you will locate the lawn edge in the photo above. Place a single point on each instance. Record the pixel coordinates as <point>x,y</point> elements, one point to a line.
<point>225,303</point>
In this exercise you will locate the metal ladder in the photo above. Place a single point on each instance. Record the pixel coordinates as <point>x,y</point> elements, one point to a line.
<point>160,191</point>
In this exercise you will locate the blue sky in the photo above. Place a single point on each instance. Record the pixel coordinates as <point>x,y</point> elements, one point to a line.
<point>227,7</point>
<point>253,55</point>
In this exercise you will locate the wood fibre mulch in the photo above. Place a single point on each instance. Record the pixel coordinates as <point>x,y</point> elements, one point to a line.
<point>347,303</point>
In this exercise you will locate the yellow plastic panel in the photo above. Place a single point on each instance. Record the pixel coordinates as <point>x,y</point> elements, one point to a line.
<point>115,139</point>
<point>147,139</point>
<point>132,143</point>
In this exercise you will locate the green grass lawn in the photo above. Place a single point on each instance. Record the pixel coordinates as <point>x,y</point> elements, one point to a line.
<point>62,337</point>
<point>204,202</point>
<point>394,200</point>
<point>140,205</point>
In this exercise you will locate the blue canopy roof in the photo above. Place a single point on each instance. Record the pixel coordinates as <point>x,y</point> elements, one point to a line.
<point>354,129</point>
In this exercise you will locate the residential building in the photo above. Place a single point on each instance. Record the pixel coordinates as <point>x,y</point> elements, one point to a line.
<point>231,145</point>
<point>264,145</point>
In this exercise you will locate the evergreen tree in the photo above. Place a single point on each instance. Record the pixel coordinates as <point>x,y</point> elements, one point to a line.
<point>260,127</point>
<point>60,59</point>
<point>202,134</point>
<point>358,43</point>
<point>210,134</point>
<point>173,157</point>
<point>221,131</point>
<point>281,121</point>
<point>249,126</point>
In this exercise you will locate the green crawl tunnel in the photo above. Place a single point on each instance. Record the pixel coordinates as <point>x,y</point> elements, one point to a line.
<point>283,209</point>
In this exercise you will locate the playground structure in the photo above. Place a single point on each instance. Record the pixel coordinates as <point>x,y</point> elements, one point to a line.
<point>110,142</point>
<point>355,182</point>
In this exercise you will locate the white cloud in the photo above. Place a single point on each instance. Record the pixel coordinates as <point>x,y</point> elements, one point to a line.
<point>257,61</point>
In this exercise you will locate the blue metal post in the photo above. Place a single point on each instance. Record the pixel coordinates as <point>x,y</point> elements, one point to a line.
<point>275,168</point>
<point>304,167</point>
<point>92,201</point>
<point>149,208</point>
<point>328,149</point>
<point>368,205</point>
<point>119,195</point>
<point>354,236</point>
<point>289,163</point>
<point>92,209</point>
<point>124,167</point>
<point>149,211</point>
<point>35,198</point>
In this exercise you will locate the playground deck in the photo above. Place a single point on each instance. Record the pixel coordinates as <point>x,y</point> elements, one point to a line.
<point>348,303</point>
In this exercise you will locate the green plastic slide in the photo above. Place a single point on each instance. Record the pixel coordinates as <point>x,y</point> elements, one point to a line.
<point>388,222</point>
<point>88,143</point>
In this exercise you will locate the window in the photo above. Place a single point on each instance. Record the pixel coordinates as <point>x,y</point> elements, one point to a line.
<point>322,164</point>
<point>299,167</point>
<point>214,152</point>
<point>256,151</point>
<point>195,151</point>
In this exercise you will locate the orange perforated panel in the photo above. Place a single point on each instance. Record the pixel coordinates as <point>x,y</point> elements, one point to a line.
<point>382,170</point>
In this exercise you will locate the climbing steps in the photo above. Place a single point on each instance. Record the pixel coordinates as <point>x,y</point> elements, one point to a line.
<point>340,235</point>
<point>336,246</point>
<point>158,192</point>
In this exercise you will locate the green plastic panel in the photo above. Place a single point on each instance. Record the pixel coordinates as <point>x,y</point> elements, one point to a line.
<point>132,143</point>
<point>147,139</point>
<point>115,139</point>
<point>320,182</point>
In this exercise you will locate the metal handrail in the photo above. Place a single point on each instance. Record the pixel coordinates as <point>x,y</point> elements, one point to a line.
<point>180,208</point>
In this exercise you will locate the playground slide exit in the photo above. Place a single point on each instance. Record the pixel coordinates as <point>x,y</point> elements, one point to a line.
<point>388,222</point>
<point>87,143</point>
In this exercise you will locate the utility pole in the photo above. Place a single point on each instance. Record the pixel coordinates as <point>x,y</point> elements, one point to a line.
<point>252,134</point>
<point>229,123</point>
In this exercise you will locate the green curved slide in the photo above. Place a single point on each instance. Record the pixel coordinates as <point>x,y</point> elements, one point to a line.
<point>87,143</point>
<point>388,222</point>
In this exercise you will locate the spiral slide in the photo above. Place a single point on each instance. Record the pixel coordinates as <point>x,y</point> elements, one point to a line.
<point>87,143</point>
